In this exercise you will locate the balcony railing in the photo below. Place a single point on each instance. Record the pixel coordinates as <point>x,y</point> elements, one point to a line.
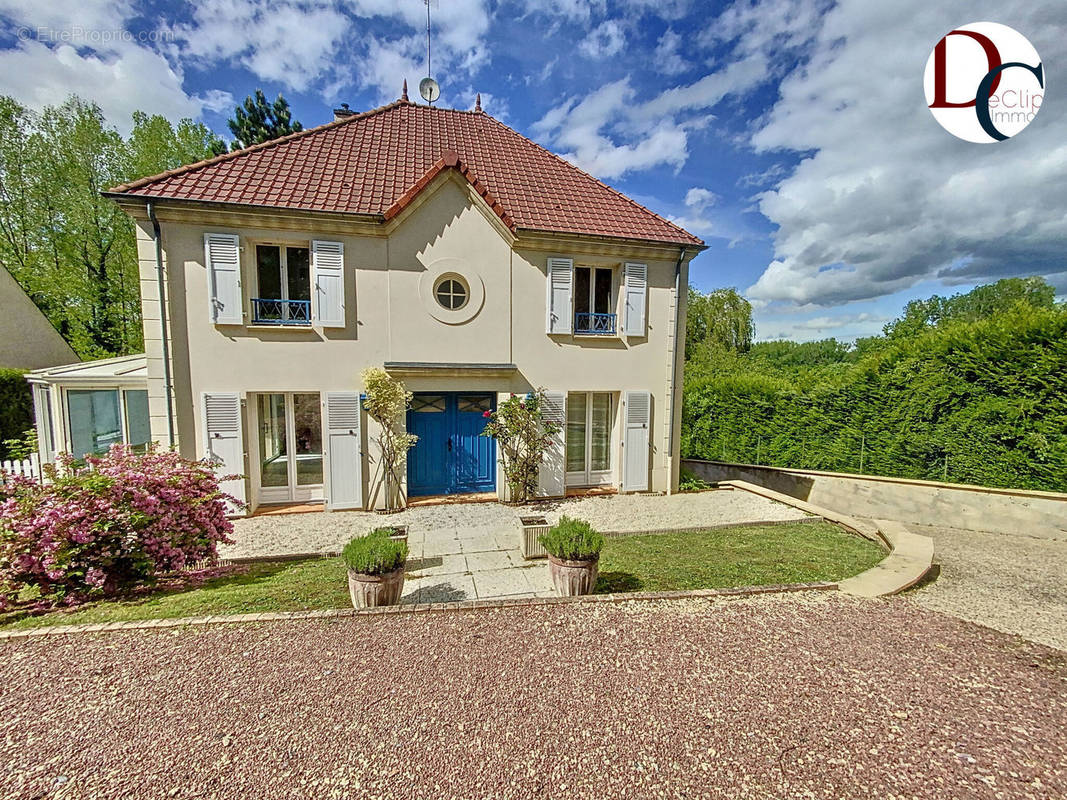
<point>280,312</point>
<point>594,324</point>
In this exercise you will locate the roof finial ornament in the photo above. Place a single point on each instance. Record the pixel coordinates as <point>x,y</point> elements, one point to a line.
<point>404,94</point>
<point>478,102</point>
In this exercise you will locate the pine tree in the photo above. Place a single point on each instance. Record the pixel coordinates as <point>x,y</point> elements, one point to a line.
<point>257,120</point>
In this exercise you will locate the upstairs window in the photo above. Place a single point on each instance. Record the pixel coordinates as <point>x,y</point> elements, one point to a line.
<point>283,285</point>
<point>593,304</point>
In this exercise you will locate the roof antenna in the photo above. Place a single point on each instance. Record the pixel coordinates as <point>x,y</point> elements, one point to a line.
<point>428,87</point>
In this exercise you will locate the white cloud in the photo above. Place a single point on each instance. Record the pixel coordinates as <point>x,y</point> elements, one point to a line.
<point>612,132</point>
<point>72,47</point>
<point>890,198</point>
<point>458,47</point>
<point>74,20</point>
<point>577,127</point>
<point>605,40</point>
<point>291,43</point>
<point>580,11</point>
<point>666,58</point>
<point>696,220</point>
<point>700,198</point>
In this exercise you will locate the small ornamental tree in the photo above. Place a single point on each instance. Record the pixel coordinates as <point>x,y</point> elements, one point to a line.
<point>117,522</point>
<point>387,402</point>
<point>523,436</point>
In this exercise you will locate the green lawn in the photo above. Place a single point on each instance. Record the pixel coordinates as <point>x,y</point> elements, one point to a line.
<point>246,589</point>
<point>742,556</point>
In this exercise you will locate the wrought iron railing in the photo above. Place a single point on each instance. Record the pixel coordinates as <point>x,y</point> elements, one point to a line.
<point>595,324</point>
<point>280,312</point>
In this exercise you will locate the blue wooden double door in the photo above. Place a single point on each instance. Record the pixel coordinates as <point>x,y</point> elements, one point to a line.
<point>451,457</point>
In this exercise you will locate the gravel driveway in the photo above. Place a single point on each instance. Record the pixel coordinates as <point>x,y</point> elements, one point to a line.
<point>1012,582</point>
<point>328,532</point>
<point>772,697</point>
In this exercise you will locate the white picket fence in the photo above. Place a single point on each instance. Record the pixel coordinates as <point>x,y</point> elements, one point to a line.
<point>29,468</point>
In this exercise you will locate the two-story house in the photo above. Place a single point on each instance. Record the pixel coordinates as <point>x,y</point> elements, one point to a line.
<point>440,244</point>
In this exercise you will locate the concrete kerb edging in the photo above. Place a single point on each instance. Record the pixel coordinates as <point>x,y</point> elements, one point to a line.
<point>418,608</point>
<point>910,555</point>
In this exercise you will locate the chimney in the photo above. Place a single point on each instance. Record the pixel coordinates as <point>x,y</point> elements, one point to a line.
<point>344,112</point>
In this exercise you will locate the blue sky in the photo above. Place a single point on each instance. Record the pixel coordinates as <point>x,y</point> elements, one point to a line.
<point>792,135</point>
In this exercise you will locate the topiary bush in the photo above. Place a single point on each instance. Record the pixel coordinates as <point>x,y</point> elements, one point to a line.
<point>572,540</point>
<point>100,529</point>
<point>375,553</point>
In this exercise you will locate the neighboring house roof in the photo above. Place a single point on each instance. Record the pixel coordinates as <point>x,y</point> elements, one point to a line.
<point>371,162</point>
<point>122,370</point>
<point>27,339</point>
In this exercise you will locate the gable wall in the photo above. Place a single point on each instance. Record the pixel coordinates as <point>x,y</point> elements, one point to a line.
<point>27,339</point>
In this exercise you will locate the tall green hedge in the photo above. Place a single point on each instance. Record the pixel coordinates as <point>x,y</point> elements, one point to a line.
<point>16,406</point>
<point>972,401</point>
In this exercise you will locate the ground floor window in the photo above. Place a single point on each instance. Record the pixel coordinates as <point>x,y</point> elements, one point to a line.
<point>589,417</point>
<point>100,418</point>
<point>290,446</point>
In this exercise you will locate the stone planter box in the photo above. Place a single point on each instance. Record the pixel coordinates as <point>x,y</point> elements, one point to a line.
<point>371,591</point>
<point>573,578</point>
<point>532,527</point>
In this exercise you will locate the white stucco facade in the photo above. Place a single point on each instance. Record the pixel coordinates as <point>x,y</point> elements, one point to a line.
<point>497,343</point>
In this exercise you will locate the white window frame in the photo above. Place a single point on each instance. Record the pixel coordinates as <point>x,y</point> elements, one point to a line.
<point>590,477</point>
<point>124,431</point>
<point>613,298</point>
<point>283,276</point>
<point>292,492</point>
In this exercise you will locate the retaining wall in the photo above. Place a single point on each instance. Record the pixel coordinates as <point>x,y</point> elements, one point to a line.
<point>1015,511</point>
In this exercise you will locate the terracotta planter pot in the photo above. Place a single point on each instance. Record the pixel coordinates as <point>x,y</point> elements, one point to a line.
<point>572,578</point>
<point>371,591</point>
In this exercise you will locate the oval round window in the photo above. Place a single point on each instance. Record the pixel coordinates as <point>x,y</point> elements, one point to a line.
<point>451,293</point>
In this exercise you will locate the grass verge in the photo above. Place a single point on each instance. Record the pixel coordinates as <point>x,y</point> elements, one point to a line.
<point>738,556</point>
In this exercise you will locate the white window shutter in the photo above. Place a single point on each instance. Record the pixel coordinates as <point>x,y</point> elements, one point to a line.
<point>635,442</point>
<point>559,302</point>
<point>344,456</point>
<point>222,255</point>
<point>224,446</point>
<point>328,278</point>
<point>636,293</point>
<point>552,474</point>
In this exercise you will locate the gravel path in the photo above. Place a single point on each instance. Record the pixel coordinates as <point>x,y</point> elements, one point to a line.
<point>773,697</point>
<point>319,532</point>
<point>1011,582</point>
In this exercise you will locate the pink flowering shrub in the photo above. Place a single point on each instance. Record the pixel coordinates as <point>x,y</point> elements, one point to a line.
<point>116,522</point>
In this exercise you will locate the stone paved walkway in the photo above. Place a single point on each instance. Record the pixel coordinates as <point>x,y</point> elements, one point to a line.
<point>328,532</point>
<point>471,564</point>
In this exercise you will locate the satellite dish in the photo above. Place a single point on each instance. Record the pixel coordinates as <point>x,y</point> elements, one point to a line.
<point>429,89</point>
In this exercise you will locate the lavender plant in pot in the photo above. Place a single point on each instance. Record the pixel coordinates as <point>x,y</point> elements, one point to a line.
<point>573,556</point>
<point>375,564</point>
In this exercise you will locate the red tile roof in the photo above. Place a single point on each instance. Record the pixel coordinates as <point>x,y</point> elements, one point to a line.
<point>376,162</point>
